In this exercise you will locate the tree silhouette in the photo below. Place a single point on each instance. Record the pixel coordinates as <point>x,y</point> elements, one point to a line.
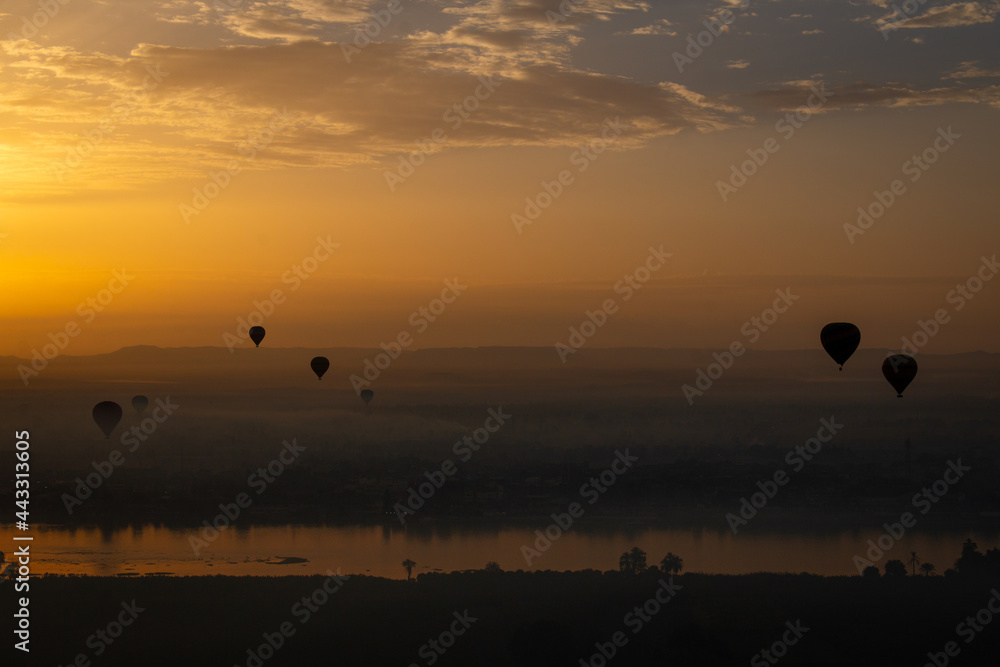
<point>493,567</point>
<point>992,559</point>
<point>409,565</point>
<point>633,561</point>
<point>870,572</point>
<point>895,568</point>
<point>638,560</point>
<point>625,563</point>
<point>914,562</point>
<point>672,563</point>
<point>971,560</point>
<point>927,569</point>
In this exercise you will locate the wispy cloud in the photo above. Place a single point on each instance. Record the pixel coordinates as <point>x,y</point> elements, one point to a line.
<point>661,27</point>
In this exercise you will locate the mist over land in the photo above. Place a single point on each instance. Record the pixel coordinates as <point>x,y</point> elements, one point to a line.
<point>695,460</point>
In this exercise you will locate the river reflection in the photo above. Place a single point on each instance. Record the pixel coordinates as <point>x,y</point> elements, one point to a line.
<point>379,549</point>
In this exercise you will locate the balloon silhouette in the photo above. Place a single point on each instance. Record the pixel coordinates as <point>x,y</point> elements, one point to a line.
<point>840,340</point>
<point>107,414</point>
<point>139,403</point>
<point>367,395</point>
<point>257,335</point>
<point>319,365</point>
<point>899,370</point>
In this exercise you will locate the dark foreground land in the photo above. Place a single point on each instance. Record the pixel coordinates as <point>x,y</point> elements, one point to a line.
<point>547,619</point>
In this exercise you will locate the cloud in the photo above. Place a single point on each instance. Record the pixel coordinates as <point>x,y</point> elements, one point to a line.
<point>269,24</point>
<point>943,16</point>
<point>543,15</point>
<point>867,94</point>
<point>661,27</point>
<point>366,111</point>
<point>737,64</point>
<point>276,20</point>
<point>970,70</point>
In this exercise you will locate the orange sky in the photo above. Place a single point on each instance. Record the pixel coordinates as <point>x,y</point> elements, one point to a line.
<point>326,132</point>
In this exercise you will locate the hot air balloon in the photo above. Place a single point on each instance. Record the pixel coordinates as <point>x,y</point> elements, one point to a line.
<point>840,340</point>
<point>899,370</point>
<point>107,414</point>
<point>257,335</point>
<point>139,403</point>
<point>320,365</point>
<point>367,395</point>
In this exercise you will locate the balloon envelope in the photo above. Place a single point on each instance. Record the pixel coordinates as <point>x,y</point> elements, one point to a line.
<point>367,395</point>
<point>840,340</point>
<point>139,403</point>
<point>257,335</point>
<point>899,370</point>
<point>107,414</point>
<point>320,365</point>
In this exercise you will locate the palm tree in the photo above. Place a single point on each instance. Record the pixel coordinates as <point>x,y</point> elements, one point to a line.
<point>409,565</point>
<point>672,563</point>
<point>633,561</point>
<point>914,562</point>
<point>927,569</point>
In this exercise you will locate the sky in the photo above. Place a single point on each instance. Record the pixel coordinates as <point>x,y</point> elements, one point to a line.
<point>178,162</point>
